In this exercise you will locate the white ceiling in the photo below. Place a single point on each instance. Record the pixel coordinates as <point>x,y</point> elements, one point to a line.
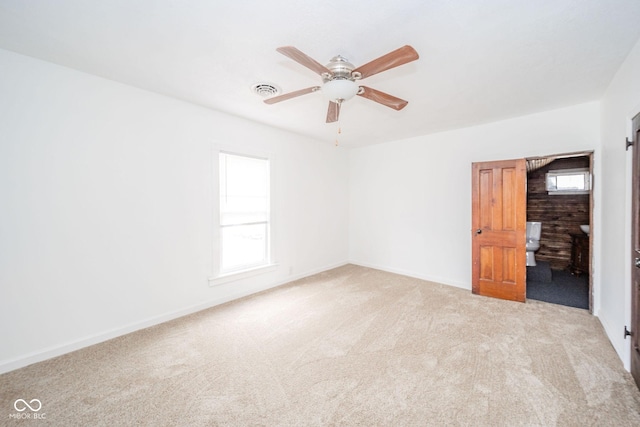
<point>480,61</point>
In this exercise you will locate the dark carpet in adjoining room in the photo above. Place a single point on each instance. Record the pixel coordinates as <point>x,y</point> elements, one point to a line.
<point>557,286</point>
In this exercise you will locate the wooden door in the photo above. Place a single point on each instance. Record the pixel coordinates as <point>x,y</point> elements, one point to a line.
<point>499,208</point>
<point>635,254</point>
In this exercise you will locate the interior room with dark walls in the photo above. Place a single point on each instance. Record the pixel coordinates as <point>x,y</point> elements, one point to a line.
<point>563,271</point>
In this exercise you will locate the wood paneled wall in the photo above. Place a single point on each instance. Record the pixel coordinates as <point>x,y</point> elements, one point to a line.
<point>560,214</point>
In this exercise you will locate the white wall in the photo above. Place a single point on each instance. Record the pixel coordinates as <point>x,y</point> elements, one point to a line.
<point>106,205</point>
<point>619,105</point>
<point>410,208</point>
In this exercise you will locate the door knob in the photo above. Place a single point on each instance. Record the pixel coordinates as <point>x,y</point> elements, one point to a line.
<point>637,262</point>
<point>479,231</point>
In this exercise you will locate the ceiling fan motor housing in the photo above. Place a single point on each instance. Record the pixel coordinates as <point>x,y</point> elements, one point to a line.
<point>341,69</point>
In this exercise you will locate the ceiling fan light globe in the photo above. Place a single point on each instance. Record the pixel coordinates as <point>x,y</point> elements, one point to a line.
<point>339,90</point>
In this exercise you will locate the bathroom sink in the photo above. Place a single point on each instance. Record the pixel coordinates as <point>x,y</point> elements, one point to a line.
<point>585,229</point>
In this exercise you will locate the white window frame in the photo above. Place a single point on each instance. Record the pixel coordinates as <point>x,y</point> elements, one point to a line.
<point>552,190</point>
<point>219,277</point>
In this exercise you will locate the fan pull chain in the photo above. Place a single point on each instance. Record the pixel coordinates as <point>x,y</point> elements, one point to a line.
<point>339,128</point>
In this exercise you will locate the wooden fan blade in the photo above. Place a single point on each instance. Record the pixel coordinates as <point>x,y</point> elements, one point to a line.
<point>303,59</point>
<point>383,98</point>
<point>290,95</point>
<point>391,60</point>
<point>333,113</point>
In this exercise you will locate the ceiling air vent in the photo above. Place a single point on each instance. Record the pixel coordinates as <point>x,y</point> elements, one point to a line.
<point>265,90</point>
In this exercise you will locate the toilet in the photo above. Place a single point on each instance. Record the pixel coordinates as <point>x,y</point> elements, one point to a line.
<point>533,241</point>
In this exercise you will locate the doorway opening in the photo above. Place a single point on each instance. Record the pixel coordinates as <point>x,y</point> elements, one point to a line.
<point>562,204</point>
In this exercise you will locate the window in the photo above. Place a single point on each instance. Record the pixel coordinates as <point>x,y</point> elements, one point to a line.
<point>244,219</point>
<point>568,181</point>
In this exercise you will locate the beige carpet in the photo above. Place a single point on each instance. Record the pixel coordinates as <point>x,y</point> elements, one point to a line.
<point>351,346</point>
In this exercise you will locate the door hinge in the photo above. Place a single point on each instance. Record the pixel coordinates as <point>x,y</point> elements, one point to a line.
<point>629,144</point>
<point>627,333</point>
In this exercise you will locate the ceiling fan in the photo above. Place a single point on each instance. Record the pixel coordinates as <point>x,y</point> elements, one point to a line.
<point>340,78</point>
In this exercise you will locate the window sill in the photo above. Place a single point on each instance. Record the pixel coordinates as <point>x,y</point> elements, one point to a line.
<point>232,277</point>
<point>567,192</point>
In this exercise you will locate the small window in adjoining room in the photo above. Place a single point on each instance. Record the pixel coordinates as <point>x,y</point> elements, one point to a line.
<point>568,181</point>
<point>244,213</point>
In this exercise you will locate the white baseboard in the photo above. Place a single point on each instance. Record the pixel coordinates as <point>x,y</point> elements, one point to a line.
<point>435,279</point>
<point>59,350</point>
